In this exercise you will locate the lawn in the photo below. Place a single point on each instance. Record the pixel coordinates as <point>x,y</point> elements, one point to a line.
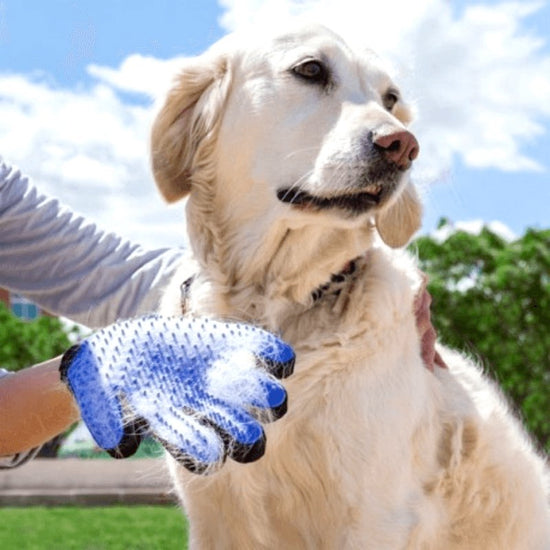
<point>93,528</point>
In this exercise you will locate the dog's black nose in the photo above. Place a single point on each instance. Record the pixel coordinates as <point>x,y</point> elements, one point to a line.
<point>399,147</point>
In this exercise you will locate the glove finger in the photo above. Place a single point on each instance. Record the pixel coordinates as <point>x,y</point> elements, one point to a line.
<point>276,356</point>
<point>273,404</point>
<point>236,380</point>
<point>131,438</point>
<point>186,435</point>
<point>272,353</point>
<point>245,453</point>
<point>100,410</point>
<point>247,448</point>
<point>242,434</point>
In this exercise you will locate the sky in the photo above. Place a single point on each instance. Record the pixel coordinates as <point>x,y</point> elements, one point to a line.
<point>80,81</point>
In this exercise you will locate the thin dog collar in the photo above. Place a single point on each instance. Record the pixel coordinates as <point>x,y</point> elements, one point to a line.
<point>337,282</point>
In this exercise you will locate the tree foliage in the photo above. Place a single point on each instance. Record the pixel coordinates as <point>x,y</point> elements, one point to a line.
<point>491,299</point>
<point>24,343</point>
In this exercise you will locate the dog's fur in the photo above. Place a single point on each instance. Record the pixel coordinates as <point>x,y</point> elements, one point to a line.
<point>376,451</point>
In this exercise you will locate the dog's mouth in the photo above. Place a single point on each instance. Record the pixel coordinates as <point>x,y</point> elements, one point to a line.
<point>354,203</point>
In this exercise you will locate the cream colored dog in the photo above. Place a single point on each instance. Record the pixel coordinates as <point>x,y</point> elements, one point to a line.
<point>295,153</point>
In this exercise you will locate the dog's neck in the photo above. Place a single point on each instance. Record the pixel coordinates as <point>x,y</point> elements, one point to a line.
<point>306,259</point>
<point>284,272</point>
<point>333,287</point>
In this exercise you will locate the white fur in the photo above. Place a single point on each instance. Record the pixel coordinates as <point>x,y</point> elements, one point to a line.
<point>376,451</point>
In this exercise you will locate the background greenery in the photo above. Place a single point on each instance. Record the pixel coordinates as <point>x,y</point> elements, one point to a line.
<point>491,299</point>
<point>25,343</point>
<point>90,528</point>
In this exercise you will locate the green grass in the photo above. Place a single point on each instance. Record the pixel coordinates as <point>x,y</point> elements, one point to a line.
<point>90,528</point>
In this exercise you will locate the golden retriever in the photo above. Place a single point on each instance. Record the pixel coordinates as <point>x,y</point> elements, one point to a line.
<point>295,153</point>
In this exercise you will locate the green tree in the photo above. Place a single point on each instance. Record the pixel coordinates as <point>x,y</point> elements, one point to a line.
<point>491,299</point>
<point>24,343</point>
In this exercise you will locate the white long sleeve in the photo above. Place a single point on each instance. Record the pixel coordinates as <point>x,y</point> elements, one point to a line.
<point>68,265</point>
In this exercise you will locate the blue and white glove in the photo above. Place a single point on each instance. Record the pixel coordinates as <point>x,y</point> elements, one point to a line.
<point>199,386</point>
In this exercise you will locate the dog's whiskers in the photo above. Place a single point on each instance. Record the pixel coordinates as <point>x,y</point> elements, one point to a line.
<point>296,185</point>
<point>300,151</point>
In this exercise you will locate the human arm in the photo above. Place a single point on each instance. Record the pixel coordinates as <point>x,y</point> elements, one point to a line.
<point>35,406</point>
<point>68,265</point>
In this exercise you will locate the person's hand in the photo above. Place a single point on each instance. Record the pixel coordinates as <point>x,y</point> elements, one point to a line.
<point>199,386</point>
<point>428,335</point>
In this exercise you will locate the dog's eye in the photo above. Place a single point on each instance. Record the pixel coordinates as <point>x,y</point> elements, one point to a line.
<point>390,98</point>
<point>313,71</point>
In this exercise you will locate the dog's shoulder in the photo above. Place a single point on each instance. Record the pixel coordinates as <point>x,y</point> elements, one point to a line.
<point>487,466</point>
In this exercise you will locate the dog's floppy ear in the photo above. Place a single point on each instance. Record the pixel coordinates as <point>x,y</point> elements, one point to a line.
<point>397,224</point>
<point>187,119</point>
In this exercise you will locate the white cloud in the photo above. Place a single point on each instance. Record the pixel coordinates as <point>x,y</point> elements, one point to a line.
<point>139,74</point>
<point>474,227</point>
<point>480,79</point>
<point>89,146</point>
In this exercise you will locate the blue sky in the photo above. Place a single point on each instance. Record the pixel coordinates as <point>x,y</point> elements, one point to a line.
<point>61,37</point>
<point>484,137</point>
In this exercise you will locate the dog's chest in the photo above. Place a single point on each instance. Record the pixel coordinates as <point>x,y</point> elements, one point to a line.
<point>350,389</point>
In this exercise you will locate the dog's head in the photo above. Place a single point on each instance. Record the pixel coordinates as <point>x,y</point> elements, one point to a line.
<point>296,129</point>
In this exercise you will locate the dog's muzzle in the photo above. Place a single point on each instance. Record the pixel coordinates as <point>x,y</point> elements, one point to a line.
<point>370,183</point>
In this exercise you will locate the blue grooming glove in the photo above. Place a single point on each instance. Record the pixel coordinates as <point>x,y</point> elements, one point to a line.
<point>199,386</point>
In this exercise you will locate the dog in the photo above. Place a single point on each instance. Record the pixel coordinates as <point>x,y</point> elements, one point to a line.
<point>295,153</point>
